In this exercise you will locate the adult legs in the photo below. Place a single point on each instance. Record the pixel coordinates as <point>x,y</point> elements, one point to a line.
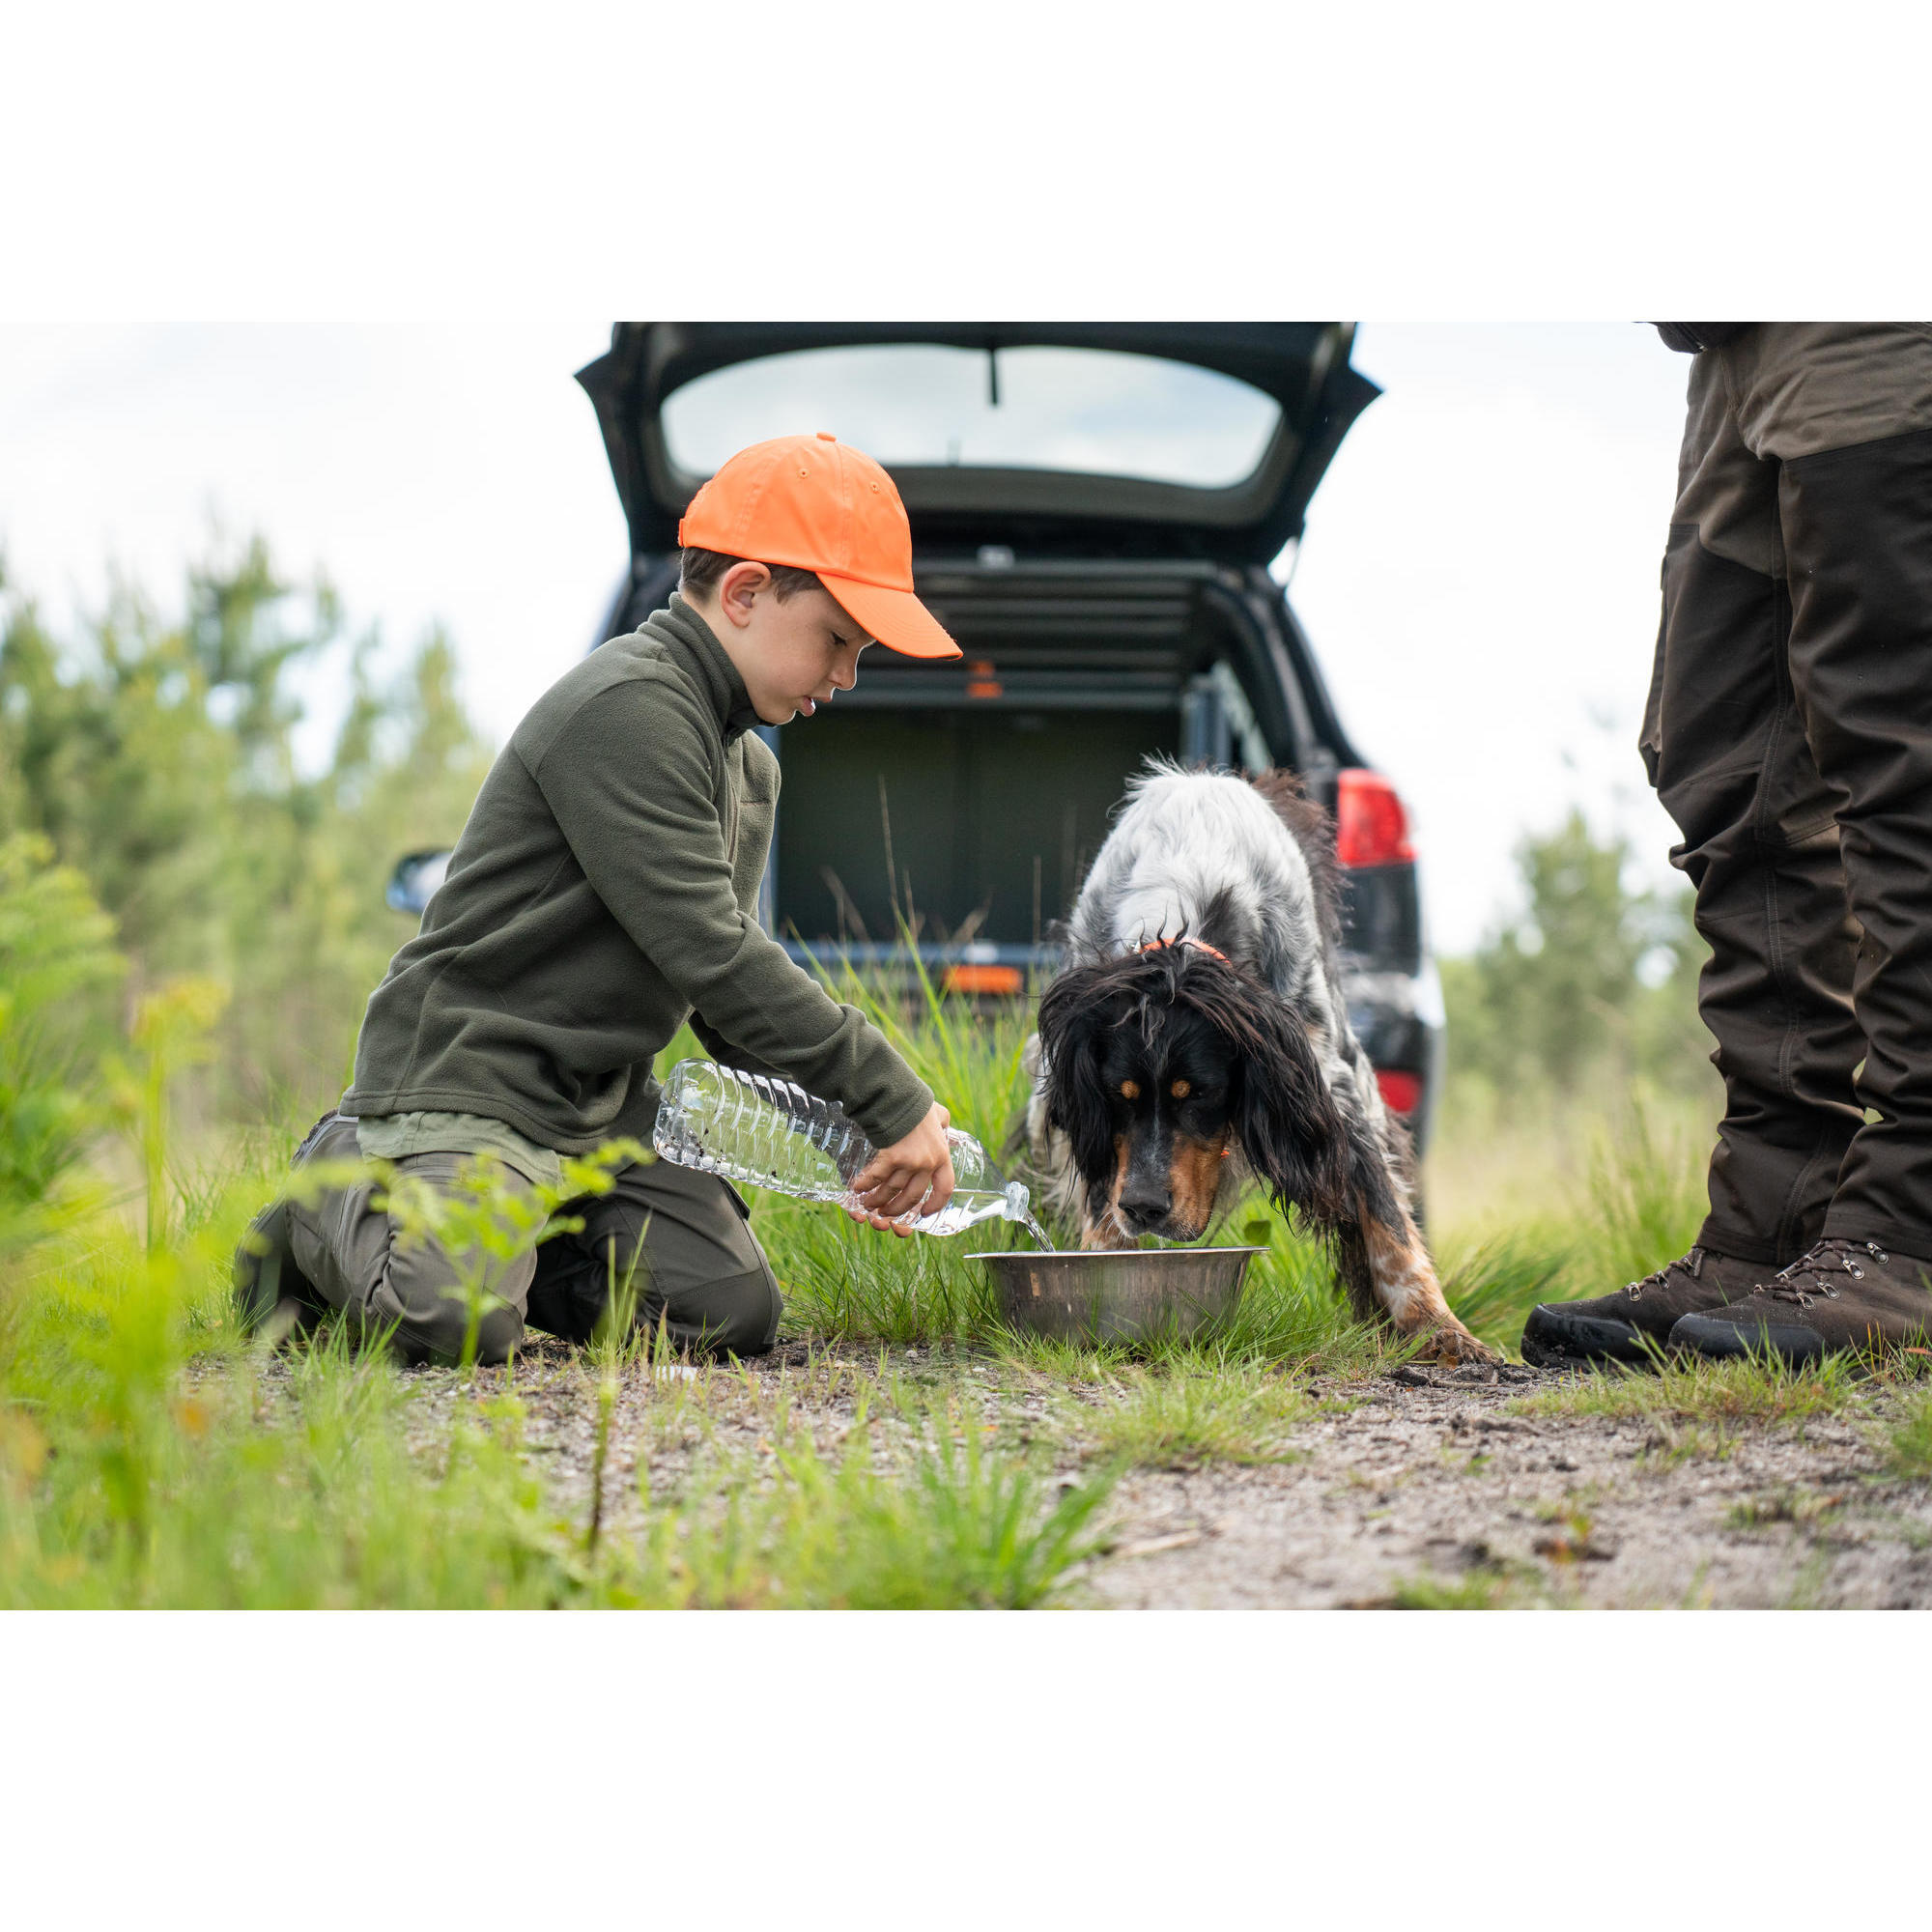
<point>1726,749</point>
<point>1857,529</point>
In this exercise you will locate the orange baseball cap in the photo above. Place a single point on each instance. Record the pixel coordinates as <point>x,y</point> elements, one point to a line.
<point>818,504</point>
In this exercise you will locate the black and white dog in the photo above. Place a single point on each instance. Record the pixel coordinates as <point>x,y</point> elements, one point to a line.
<point>1197,1030</point>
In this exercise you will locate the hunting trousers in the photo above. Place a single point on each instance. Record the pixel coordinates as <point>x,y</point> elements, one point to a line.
<point>1789,734</point>
<point>702,1276</point>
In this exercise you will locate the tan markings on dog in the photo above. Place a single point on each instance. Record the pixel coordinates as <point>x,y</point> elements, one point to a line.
<point>1130,1090</point>
<point>1111,1232</point>
<point>1406,1287</point>
<point>1181,1090</point>
<point>1194,1178</point>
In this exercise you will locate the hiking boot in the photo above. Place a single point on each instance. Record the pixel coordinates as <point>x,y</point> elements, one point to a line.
<point>1842,1294</point>
<point>1632,1324</point>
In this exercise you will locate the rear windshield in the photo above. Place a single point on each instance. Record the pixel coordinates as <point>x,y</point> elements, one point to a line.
<point>1088,410</point>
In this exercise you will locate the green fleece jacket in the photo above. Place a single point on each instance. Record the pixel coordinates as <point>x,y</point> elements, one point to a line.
<point>603,891</point>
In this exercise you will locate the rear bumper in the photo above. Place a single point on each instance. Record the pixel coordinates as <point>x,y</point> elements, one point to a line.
<point>1398,1017</point>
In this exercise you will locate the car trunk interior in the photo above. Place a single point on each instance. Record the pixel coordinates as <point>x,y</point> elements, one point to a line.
<point>969,798</point>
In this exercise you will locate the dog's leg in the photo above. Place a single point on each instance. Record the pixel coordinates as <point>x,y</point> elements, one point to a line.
<point>1386,1269</point>
<point>1380,1255</point>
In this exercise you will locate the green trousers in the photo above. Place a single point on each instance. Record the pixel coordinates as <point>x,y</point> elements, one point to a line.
<point>701,1275</point>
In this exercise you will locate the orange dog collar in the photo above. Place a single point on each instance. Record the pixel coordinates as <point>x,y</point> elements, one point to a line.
<point>1198,945</point>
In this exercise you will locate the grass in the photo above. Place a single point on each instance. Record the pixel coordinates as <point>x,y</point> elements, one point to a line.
<point>951,1527</point>
<point>1181,1419</point>
<point>150,1456</point>
<point>1909,1439</point>
<point>1517,1227</point>
<point>141,1466</point>
<point>1480,1589</point>
<point>1688,1389</point>
<point>1792,1505</point>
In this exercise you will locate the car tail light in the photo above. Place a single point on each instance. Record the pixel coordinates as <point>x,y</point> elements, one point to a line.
<point>1400,1091</point>
<point>1370,827</point>
<point>982,980</point>
<point>983,680</point>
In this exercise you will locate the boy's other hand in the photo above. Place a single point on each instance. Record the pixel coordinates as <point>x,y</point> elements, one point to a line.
<point>916,1172</point>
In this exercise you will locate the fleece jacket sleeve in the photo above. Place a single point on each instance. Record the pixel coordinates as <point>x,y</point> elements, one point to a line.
<point>632,779</point>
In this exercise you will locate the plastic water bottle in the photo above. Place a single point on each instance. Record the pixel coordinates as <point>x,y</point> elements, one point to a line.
<point>762,1132</point>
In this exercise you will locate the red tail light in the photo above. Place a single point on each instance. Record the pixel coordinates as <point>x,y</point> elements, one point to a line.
<point>1400,1091</point>
<point>1370,827</point>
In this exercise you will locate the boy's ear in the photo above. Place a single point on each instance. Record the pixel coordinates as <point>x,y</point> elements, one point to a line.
<point>738,591</point>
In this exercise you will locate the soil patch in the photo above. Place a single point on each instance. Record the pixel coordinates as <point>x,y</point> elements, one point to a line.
<point>1419,1488</point>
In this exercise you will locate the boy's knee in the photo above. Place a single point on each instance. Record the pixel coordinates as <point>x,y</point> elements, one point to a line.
<point>497,1335</point>
<point>439,1335</point>
<point>737,1316</point>
<point>421,1294</point>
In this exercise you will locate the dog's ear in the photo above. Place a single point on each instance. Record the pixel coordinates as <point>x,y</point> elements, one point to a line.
<point>1287,1119</point>
<point>1288,1124</point>
<point>1073,1012</point>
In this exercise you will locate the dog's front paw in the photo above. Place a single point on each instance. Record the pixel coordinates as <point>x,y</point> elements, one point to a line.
<point>1451,1346</point>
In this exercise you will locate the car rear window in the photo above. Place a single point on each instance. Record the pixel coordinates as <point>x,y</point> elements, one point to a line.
<point>1081,410</point>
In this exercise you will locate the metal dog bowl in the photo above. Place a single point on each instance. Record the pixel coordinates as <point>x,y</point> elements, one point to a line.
<point>1117,1295</point>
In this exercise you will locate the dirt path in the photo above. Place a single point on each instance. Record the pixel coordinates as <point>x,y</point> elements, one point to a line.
<point>1438,1493</point>
<point>1419,1488</point>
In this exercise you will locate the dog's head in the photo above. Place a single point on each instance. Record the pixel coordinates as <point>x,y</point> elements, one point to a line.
<point>1163,1064</point>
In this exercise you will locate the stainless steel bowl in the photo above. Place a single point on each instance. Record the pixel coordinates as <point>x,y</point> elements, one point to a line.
<point>1124,1295</point>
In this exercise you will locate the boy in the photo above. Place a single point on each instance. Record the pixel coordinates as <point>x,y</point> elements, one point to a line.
<point>601,893</point>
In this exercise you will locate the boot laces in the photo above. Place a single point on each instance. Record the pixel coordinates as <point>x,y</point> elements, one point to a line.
<point>1808,1276</point>
<point>1691,1263</point>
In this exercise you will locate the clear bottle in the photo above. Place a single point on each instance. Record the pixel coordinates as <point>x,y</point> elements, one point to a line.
<point>763,1132</point>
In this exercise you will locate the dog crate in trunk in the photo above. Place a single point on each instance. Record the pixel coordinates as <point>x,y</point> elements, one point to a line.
<point>960,805</point>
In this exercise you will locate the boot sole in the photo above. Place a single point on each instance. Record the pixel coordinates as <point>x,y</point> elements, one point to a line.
<point>1727,1341</point>
<point>1554,1340</point>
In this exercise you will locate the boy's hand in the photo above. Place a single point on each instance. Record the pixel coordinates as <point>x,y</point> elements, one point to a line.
<point>917,1170</point>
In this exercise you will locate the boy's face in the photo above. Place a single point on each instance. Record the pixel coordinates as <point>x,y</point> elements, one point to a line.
<point>792,653</point>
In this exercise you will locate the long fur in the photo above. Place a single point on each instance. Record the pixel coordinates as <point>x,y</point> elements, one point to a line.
<point>1248,867</point>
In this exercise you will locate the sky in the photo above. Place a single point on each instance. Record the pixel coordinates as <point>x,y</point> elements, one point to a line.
<point>1479,574</point>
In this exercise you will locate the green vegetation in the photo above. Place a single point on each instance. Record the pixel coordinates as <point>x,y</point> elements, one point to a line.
<point>1909,1441</point>
<point>1485,1586</point>
<point>1687,1389</point>
<point>156,758</point>
<point>1180,1418</point>
<point>188,927</point>
<point>951,1528</point>
<point>1593,981</point>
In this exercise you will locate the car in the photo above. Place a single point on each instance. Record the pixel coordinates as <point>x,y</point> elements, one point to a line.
<point>1097,508</point>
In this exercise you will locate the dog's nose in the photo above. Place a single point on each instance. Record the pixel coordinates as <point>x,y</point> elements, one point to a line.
<point>1146,1200</point>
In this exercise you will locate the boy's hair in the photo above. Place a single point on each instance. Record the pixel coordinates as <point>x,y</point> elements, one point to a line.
<point>702,570</point>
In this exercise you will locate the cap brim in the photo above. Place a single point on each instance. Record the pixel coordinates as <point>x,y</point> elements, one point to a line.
<point>896,618</point>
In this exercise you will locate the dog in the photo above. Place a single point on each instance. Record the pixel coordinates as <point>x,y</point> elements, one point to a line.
<point>1196,1037</point>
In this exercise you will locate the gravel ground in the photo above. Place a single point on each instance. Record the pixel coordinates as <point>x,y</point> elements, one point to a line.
<point>1434,1489</point>
<point>1422,1486</point>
